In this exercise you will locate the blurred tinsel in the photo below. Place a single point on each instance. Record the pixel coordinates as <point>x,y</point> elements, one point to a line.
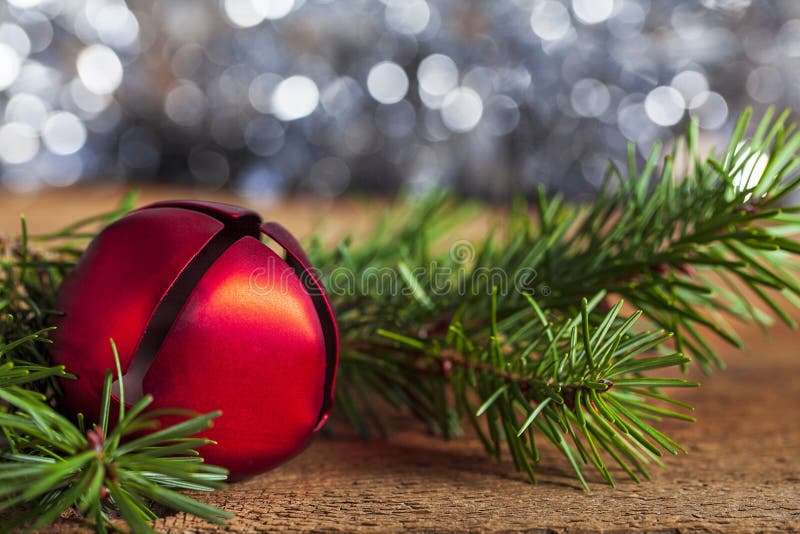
<point>273,96</point>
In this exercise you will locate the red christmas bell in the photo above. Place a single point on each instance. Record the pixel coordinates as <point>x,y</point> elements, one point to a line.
<point>205,317</point>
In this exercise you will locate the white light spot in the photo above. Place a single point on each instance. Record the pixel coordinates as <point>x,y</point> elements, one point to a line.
<point>38,29</point>
<point>753,165</point>
<point>437,75</point>
<point>689,84</point>
<point>408,16</point>
<point>294,98</point>
<point>18,143</point>
<point>628,19</point>
<point>99,69</point>
<point>590,97</point>
<point>462,109</point>
<point>9,65</point>
<point>387,82</point>
<point>38,79</point>
<point>28,109</point>
<point>89,102</point>
<point>592,11</point>
<point>185,104</point>
<point>273,9</point>
<point>63,133</point>
<point>115,24</point>
<point>15,37</point>
<point>664,106</point>
<point>243,13</point>
<point>710,109</point>
<point>550,20</point>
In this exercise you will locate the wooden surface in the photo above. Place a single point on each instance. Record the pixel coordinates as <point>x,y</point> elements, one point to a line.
<point>741,473</point>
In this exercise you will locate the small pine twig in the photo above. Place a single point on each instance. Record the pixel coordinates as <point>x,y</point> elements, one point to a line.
<point>49,463</point>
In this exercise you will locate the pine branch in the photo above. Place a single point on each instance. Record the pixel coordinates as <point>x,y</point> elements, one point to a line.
<point>50,464</point>
<point>681,249</point>
<point>584,394</point>
<point>500,325</point>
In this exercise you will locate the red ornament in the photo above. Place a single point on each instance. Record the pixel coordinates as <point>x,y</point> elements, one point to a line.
<point>205,317</point>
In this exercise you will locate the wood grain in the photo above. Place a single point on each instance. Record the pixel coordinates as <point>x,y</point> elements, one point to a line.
<point>741,473</point>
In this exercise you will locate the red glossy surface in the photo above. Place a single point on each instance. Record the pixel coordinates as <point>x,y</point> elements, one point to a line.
<point>312,283</point>
<point>206,317</point>
<point>114,291</point>
<point>276,404</point>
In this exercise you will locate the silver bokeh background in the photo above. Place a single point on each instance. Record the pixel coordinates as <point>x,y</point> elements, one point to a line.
<point>271,97</point>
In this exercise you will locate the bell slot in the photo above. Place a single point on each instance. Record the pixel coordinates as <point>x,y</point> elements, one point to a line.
<point>168,310</point>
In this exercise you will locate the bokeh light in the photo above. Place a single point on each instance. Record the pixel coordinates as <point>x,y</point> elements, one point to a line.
<point>100,69</point>
<point>63,133</point>
<point>18,142</point>
<point>664,105</point>
<point>408,16</point>
<point>269,97</point>
<point>294,98</point>
<point>437,75</point>
<point>14,36</point>
<point>462,109</point>
<point>274,9</point>
<point>9,65</point>
<point>592,11</point>
<point>550,20</point>
<point>28,109</point>
<point>387,82</point>
<point>243,13</point>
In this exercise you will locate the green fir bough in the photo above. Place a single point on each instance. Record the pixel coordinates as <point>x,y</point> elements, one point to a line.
<point>691,248</point>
